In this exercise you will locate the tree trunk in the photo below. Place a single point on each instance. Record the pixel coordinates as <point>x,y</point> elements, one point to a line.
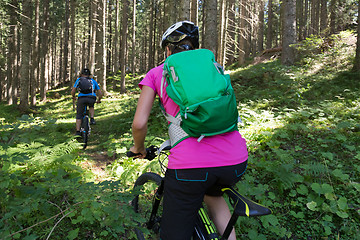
<point>116,41</point>
<point>323,18</point>
<point>93,12</point>
<point>109,37</point>
<point>222,31</point>
<point>65,75</point>
<point>25,55</point>
<point>104,48</point>
<point>315,4</point>
<point>269,35</point>
<point>243,35</point>
<point>124,26</point>
<point>333,4</point>
<point>173,18</point>
<point>210,26</point>
<point>300,17</point>
<point>72,37</point>
<point>306,14</point>
<point>35,57</point>
<point>357,57</point>
<point>231,29</point>
<point>43,51</point>
<point>100,54</point>
<point>260,45</point>
<point>12,60</point>
<point>151,35</point>
<point>289,32</point>
<point>184,13</point>
<point>194,11</point>
<point>133,56</point>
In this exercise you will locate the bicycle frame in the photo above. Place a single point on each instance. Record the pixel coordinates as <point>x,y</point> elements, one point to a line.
<point>85,126</point>
<point>242,207</point>
<point>204,228</point>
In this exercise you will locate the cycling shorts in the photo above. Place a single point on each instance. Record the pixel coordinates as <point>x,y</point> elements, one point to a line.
<point>184,193</point>
<point>81,103</point>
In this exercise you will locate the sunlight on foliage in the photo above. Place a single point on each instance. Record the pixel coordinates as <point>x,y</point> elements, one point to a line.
<point>301,124</point>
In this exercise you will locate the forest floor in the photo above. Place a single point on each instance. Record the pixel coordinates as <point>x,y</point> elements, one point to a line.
<point>301,124</point>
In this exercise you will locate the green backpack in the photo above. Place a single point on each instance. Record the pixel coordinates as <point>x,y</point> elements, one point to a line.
<point>197,83</point>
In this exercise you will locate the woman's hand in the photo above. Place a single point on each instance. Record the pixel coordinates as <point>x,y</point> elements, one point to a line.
<point>136,150</point>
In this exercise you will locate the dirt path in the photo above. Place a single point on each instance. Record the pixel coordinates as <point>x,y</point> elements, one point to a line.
<point>97,163</point>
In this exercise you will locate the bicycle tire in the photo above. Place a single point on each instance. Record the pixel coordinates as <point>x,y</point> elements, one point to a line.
<point>85,132</point>
<point>143,204</point>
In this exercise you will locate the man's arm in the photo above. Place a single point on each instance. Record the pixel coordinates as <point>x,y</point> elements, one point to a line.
<point>98,95</point>
<point>73,93</point>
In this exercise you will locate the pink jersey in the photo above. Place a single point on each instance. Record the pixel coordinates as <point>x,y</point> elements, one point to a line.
<point>215,151</point>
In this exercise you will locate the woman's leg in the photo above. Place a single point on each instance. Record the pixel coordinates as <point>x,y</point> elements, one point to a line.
<point>219,213</point>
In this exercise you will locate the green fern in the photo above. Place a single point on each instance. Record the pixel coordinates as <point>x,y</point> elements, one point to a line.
<point>315,169</point>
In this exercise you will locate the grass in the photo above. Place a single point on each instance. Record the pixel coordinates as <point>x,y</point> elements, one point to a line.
<point>301,124</point>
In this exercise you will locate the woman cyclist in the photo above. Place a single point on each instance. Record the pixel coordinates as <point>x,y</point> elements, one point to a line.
<point>196,170</point>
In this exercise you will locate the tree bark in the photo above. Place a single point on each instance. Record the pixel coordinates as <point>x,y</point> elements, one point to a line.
<point>306,17</point>
<point>184,13</point>
<point>25,55</point>
<point>289,32</point>
<point>100,54</point>
<point>269,35</point>
<point>315,4</point>
<point>357,56</point>
<point>72,39</point>
<point>133,56</point>
<point>194,11</point>
<point>231,29</point>
<point>151,35</point>
<point>43,51</point>
<point>124,26</point>
<point>116,40</point>
<point>333,4</point>
<point>104,48</point>
<point>35,57</point>
<point>93,12</point>
<point>65,73</point>
<point>12,60</point>
<point>210,25</point>
<point>260,45</point>
<point>323,18</point>
<point>243,35</point>
<point>222,31</point>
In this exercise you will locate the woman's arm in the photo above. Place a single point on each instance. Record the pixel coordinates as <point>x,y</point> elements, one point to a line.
<point>139,126</point>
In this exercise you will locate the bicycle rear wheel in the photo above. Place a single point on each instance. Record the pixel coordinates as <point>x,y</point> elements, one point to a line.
<point>85,132</point>
<point>148,205</point>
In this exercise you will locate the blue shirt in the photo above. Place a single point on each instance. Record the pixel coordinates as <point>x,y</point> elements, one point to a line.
<point>95,87</point>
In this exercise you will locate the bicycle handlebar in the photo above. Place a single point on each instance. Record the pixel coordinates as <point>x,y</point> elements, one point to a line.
<point>150,153</point>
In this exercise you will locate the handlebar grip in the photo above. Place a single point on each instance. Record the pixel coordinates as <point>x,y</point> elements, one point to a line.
<point>131,154</point>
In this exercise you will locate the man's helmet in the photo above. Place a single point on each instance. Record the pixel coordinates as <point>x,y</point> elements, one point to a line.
<point>180,31</point>
<point>86,71</point>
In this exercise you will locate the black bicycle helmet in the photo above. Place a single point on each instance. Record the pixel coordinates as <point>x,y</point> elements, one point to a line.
<point>86,72</point>
<point>180,31</point>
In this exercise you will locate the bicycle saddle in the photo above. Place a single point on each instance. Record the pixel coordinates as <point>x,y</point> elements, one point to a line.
<point>245,207</point>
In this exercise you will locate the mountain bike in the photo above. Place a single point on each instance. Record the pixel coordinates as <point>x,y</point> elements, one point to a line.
<point>149,205</point>
<point>85,128</point>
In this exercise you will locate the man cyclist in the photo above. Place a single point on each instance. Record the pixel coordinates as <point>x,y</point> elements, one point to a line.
<point>86,97</point>
<point>196,170</point>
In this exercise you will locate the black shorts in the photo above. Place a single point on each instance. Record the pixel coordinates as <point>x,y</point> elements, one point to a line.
<point>184,194</point>
<point>81,103</point>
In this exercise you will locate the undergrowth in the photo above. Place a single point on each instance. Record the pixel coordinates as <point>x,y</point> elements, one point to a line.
<point>301,123</point>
